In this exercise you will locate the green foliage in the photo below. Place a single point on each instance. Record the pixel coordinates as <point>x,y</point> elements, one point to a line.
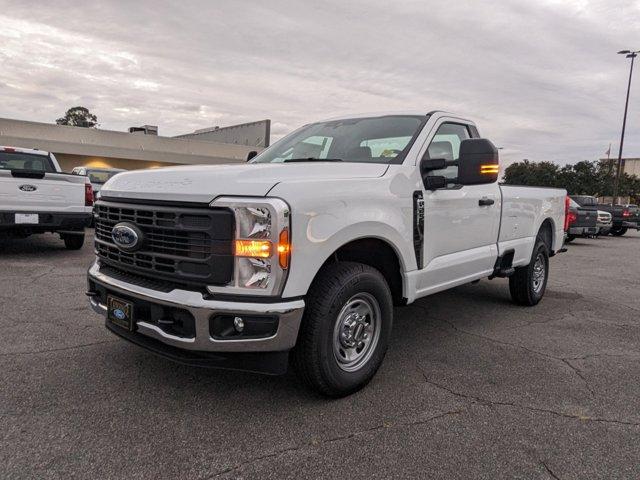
<point>78,117</point>
<point>582,178</point>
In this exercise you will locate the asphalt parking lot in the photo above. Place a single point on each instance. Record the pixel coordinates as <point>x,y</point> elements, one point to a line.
<point>472,386</point>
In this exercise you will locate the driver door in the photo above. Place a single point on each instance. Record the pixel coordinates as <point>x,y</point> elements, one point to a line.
<point>460,231</point>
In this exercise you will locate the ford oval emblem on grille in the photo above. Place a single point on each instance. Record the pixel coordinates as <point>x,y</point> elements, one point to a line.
<point>28,188</point>
<point>127,236</point>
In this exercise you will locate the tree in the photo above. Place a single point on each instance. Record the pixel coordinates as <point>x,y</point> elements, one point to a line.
<point>78,117</point>
<point>541,174</point>
<point>582,178</point>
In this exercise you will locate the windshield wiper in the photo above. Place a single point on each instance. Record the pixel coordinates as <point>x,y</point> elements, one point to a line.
<point>313,159</point>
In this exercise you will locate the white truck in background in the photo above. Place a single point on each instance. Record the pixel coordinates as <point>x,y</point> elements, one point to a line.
<point>36,197</point>
<point>302,253</point>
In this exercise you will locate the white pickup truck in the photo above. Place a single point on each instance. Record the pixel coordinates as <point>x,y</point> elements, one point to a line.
<point>36,197</point>
<point>302,253</point>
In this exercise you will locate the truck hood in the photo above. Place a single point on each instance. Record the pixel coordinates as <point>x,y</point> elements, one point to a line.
<point>203,183</point>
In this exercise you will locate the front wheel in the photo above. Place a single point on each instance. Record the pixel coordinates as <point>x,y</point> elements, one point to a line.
<point>528,284</point>
<point>345,330</point>
<point>618,231</point>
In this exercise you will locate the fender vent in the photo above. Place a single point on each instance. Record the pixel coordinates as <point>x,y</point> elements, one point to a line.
<point>418,227</point>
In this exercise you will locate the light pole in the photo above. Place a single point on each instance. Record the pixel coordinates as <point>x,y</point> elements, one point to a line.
<point>632,55</point>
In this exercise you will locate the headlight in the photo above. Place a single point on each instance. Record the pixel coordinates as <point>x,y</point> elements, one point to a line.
<point>261,245</point>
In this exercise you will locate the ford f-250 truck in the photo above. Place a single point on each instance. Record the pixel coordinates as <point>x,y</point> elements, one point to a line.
<point>302,253</point>
<point>36,197</point>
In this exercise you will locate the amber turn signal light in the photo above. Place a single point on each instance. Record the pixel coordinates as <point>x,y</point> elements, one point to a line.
<point>490,169</point>
<point>284,249</point>
<point>253,248</point>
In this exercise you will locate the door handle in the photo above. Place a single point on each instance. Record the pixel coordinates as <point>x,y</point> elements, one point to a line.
<point>485,202</point>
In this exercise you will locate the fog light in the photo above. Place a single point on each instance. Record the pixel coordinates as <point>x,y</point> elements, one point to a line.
<point>238,324</point>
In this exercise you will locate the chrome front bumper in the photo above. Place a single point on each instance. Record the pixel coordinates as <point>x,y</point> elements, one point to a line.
<point>289,314</point>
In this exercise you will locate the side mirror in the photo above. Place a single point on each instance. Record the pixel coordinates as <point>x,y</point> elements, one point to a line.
<point>427,165</point>
<point>434,182</point>
<point>251,154</point>
<point>478,162</point>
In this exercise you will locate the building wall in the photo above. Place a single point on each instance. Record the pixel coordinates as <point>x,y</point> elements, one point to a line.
<point>75,146</point>
<point>254,134</point>
<point>632,166</point>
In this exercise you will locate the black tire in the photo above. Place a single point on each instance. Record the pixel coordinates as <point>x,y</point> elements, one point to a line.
<point>73,242</point>
<point>570,238</point>
<point>315,356</point>
<point>524,284</point>
<point>618,231</point>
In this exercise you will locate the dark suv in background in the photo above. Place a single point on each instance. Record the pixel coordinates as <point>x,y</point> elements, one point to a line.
<point>624,217</point>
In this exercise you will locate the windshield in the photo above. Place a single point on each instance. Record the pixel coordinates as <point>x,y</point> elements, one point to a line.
<point>101,176</point>
<point>25,161</point>
<point>369,140</point>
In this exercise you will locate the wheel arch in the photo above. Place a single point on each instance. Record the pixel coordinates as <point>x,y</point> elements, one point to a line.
<point>387,261</point>
<point>546,231</point>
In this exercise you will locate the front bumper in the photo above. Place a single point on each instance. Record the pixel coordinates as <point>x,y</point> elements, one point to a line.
<point>289,315</point>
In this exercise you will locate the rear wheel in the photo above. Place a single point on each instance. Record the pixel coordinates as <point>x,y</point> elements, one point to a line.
<point>345,330</point>
<point>73,242</point>
<point>528,284</point>
<point>618,231</point>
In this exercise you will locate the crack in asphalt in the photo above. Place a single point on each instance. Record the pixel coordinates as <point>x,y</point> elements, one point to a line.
<point>35,352</point>
<point>563,360</point>
<point>606,355</point>
<point>394,423</point>
<point>549,471</point>
<point>491,403</point>
<point>578,372</point>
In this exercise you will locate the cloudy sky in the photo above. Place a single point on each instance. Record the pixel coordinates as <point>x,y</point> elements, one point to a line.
<point>541,78</point>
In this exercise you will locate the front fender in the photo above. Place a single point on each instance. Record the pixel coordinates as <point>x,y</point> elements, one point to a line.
<point>324,218</point>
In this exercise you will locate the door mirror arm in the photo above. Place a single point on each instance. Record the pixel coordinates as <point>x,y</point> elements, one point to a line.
<point>435,182</point>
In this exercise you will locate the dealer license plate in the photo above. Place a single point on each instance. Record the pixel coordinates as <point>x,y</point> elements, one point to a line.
<point>120,312</point>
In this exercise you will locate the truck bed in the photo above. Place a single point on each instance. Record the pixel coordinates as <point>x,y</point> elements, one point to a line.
<point>523,211</point>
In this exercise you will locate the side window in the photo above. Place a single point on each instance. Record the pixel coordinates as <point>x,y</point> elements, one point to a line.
<point>446,144</point>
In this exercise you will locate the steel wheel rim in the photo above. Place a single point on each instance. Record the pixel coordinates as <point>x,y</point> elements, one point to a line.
<point>539,270</point>
<point>356,332</point>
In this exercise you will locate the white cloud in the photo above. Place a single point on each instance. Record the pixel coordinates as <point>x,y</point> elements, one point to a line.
<point>541,78</point>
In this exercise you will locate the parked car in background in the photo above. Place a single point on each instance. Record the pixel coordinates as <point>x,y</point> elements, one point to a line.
<point>97,176</point>
<point>582,221</point>
<point>624,217</point>
<point>604,222</point>
<point>36,197</point>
